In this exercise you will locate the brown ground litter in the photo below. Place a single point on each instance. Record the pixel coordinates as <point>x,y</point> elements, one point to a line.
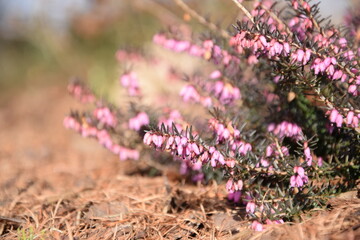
<point>56,185</point>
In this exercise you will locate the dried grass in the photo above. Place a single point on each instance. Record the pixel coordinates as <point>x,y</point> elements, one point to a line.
<point>56,185</point>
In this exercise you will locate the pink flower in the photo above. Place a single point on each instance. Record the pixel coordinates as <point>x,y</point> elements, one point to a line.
<point>308,156</point>
<point>147,138</point>
<point>230,163</point>
<point>333,115</point>
<point>141,119</point>
<point>215,74</point>
<point>264,162</point>
<point>104,138</point>
<point>286,129</point>
<point>285,150</point>
<point>337,75</point>
<point>181,46</point>
<point>196,51</point>
<point>235,196</point>
<point>300,171</point>
<point>159,39</point>
<point>158,140</point>
<point>286,48</point>
<point>299,179</point>
<point>355,122</point>
<point>320,161</point>
<point>71,123</point>
<point>188,92</point>
<point>80,92</point>
<point>88,131</point>
<point>217,157</point>
<point>257,226</point>
<point>299,55</point>
<point>239,185</point>
<point>130,82</point>
<point>339,120</point>
<point>293,181</point>
<point>126,153</point>
<point>263,41</point>
<point>195,148</point>
<point>198,177</point>
<point>104,115</point>
<point>253,59</point>
<point>230,186</point>
<point>250,207</point>
<point>352,89</point>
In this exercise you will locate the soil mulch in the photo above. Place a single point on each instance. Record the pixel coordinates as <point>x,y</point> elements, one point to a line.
<point>56,185</point>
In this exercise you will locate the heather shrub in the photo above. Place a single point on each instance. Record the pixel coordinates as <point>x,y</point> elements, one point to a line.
<point>281,98</point>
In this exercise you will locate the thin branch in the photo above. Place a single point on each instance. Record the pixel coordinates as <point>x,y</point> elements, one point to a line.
<point>244,10</point>
<point>201,19</point>
<point>157,10</point>
<point>276,18</point>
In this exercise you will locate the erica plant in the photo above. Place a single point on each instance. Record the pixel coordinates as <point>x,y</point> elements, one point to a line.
<point>282,95</point>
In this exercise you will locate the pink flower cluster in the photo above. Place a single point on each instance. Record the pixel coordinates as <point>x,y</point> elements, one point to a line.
<point>218,55</point>
<point>105,116</point>
<point>189,93</point>
<point>225,92</point>
<point>71,123</point>
<point>259,44</point>
<point>305,5</point>
<point>178,45</point>
<point>300,25</point>
<point>299,179</point>
<point>330,65</point>
<point>234,186</point>
<point>250,207</point>
<point>81,93</point>
<point>286,129</point>
<point>263,17</point>
<point>208,50</point>
<point>131,83</point>
<point>103,137</point>
<point>172,117</point>
<point>215,74</point>
<point>301,56</point>
<point>235,196</point>
<point>125,153</point>
<point>257,226</point>
<point>123,55</point>
<point>307,153</point>
<point>141,119</point>
<point>185,148</point>
<point>327,66</point>
<point>352,120</point>
<point>271,150</point>
<point>231,135</point>
<point>271,97</point>
<point>325,39</point>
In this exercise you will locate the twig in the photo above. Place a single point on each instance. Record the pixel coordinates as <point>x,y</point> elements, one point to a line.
<point>244,10</point>
<point>279,149</point>
<point>201,19</point>
<point>274,16</point>
<point>68,227</point>
<point>14,220</point>
<point>158,232</point>
<point>115,231</point>
<point>157,10</point>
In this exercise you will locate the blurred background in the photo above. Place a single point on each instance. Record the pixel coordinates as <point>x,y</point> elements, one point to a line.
<point>45,42</point>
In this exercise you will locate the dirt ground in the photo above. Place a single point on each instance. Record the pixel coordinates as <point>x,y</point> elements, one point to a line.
<point>56,185</point>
